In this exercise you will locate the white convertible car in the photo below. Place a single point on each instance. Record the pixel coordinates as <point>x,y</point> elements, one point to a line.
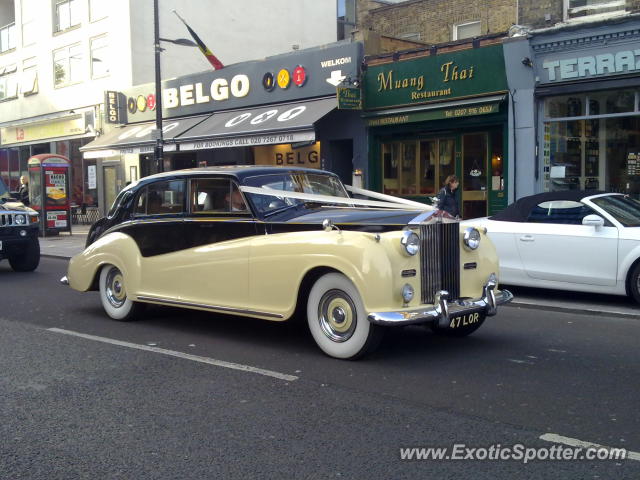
<point>569,240</point>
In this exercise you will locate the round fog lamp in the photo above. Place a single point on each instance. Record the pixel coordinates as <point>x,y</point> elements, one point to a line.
<point>411,242</point>
<point>21,220</point>
<point>472,238</point>
<point>407,293</point>
<point>23,233</point>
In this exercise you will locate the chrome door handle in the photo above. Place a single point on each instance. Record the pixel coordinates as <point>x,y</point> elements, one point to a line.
<point>527,238</point>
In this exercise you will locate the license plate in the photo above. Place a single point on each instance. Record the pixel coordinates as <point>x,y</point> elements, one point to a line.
<point>469,318</point>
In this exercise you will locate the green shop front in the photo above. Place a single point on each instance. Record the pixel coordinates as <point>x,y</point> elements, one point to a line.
<point>435,115</point>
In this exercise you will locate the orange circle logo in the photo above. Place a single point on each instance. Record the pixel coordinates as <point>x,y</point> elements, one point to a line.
<point>141,101</point>
<point>284,78</point>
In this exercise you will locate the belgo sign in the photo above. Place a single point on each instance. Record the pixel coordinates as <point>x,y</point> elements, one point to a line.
<point>279,79</point>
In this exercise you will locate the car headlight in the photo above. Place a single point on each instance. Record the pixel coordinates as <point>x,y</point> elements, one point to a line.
<point>20,220</point>
<point>407,293</point>
<point>411,242</point>
<point>472,238</point>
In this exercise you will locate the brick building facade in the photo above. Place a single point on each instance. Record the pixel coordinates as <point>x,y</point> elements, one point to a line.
<point>436,21</point>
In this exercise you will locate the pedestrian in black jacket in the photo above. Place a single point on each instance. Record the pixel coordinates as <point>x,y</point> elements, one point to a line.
<point>23,191</point>
<point>447,200</point>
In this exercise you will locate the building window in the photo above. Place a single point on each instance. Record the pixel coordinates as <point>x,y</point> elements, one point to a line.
<point>7,37</point>
<point>99,57</point>
<point>466,30</point>
<point>29,80</point>
<point>346,18</point>
<point>8,82</point>
<point>576,9</point>
<point>67,65</point>
<point>97,9</point>
<point>592,141</point>
<point>67,14</point>
<point>29,33</point>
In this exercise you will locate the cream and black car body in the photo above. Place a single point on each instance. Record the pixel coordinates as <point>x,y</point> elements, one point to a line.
<point>270,242</point>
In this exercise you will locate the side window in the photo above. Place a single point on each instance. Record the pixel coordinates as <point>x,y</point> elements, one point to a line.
<point>161,198</point>
<point>217,195</point>
<point>559,212</point>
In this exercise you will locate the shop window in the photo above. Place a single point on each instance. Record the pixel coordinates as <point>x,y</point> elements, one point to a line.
<point>497,161</point>
<point>565,106</point>
<point>613,101</point>
<point>29,79</point>
<point>346,18</point>
<point>8,83</point>
<point>598,152</point>
<point>67,65</point>
<point>409,173</point>
<point>7,37</point>
<point>467,30</point>
<point>587,9</point>
<point>391,167</point>
<point>97,10</point>
<point>66,14</point>
<point>99,57</point>
<point>29,27</point>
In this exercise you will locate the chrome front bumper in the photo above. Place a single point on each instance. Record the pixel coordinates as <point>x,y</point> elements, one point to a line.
<point>443,310</point>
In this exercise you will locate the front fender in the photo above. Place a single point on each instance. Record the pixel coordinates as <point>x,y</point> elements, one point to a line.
<point>372,262</point>
<point>115,249</point>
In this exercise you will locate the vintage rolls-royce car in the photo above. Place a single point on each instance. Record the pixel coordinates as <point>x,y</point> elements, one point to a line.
<point>268,242</point>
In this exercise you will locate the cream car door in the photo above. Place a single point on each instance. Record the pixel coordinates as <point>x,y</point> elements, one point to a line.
<point>554,245</point>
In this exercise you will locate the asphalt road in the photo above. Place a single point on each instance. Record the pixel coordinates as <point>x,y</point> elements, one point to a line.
<point>77,407</point>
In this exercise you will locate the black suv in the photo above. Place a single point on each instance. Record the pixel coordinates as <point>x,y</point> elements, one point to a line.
<point>18,233</point>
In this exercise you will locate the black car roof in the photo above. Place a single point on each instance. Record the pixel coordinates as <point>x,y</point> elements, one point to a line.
<point>239,172</point>
<point>520,209</point>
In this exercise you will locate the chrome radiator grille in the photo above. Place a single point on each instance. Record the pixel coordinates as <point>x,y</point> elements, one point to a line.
<point>6,219</point>
<point>440,260</point>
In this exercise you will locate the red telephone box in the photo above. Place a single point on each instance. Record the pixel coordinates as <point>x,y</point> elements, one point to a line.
<point>49,182</point>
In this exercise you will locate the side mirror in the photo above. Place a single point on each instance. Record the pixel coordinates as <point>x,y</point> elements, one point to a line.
<point>594,221</point>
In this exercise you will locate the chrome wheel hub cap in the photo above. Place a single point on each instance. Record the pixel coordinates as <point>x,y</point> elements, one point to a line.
<point>337,316</point>
<point>115,291</point>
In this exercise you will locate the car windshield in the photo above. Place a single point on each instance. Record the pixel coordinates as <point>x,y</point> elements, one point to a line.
<point>299,182</point>
<point>623,208</point>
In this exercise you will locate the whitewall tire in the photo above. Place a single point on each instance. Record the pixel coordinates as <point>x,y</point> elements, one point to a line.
<point>337,318</point>
<point>113,295</point>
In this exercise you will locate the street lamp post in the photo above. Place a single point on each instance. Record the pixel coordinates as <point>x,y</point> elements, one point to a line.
<point>159,151</point>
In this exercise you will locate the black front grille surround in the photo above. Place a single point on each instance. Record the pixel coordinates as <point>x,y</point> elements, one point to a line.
<point>440,260</point>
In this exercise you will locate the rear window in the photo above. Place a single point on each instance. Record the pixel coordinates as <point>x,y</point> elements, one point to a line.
<point>161,198</point>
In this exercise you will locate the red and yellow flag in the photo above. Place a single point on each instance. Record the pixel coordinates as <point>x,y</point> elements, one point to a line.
<point>213,60</point>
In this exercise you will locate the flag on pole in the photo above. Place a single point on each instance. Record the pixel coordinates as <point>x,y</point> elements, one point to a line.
<point>213,60</point>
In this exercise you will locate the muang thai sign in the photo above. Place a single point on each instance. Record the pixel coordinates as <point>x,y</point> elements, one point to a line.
<point>435,78</point>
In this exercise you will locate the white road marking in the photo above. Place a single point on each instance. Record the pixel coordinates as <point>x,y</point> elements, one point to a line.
<point>574,442</point>
<point>520,361</point>
<point>186,356</point>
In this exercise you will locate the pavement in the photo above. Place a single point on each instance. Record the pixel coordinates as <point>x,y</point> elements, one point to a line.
<point>66,245</point>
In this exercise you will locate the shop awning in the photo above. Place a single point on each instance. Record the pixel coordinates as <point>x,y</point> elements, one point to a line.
<point>139,138</point>
<point>436,111</point>
<point>268,125</point>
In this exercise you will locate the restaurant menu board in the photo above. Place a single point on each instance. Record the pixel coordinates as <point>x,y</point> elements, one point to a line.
<point>55,190</point>
<point>57,218</point>
<point>633,165</point>
<point>55,186</point>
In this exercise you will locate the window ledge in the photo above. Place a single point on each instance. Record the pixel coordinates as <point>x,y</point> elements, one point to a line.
<point>71,28</point>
